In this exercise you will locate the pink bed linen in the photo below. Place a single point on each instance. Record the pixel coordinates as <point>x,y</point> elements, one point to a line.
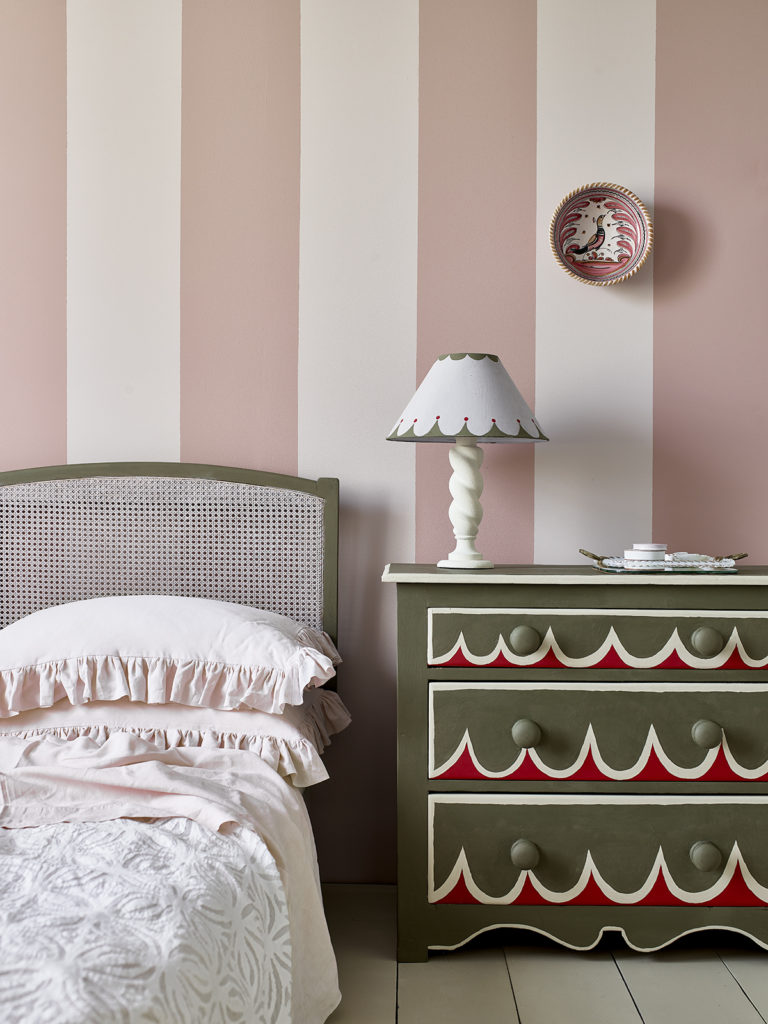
<point>48,780</point>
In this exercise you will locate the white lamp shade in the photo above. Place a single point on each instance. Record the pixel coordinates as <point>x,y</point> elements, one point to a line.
<point>470,395</point>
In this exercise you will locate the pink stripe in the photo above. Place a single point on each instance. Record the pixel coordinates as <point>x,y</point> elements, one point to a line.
<point>33,89</point>
<point>477,246</point>
<point>239,233</point>
<point>710,296</point>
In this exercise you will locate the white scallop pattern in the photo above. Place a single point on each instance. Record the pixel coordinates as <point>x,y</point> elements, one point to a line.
<point>590,763</point>
<point>735,872</point>
<point>611,647</point>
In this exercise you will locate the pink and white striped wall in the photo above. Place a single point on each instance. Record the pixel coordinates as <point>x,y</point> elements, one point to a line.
<point>241,232</point>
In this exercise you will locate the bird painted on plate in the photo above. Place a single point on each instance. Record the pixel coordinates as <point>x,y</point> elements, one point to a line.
<point>595,241</point>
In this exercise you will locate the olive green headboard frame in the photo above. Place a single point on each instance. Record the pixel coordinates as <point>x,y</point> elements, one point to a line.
<point>67,533</point>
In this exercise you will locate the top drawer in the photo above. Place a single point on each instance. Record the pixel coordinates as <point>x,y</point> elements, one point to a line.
<point>595,638</point>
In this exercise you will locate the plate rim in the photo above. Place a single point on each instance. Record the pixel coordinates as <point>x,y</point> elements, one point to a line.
<point>628,194</point>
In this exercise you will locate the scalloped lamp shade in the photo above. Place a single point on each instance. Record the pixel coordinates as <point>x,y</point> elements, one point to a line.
<point>467,394</point>
<point>466,398</point>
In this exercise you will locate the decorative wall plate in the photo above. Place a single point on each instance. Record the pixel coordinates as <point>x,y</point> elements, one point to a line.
<point>601,234</point>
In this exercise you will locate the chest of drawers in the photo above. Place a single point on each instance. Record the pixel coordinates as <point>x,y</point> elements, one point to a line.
<point>580,752</point>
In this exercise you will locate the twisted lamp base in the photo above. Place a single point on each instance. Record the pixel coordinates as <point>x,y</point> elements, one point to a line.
<point>465,512</point>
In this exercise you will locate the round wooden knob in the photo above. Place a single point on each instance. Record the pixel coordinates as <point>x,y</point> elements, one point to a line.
<point>525,854</point>
<point>707,642</point>
<point>705,856</point>
<point>706,734</point>
<point>526,733</point>
<point>524,640</point>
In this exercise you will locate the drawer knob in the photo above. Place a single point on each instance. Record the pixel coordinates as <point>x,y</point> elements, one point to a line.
<point>524,640</point>
<point>706,734</point>
<point>525,854</point>
<point>705,856</point>
<point>707,641</point>
<point>526,733</point>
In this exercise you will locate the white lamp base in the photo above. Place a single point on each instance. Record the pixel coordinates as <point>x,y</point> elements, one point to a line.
<point>464,563</point>
<point>465,513</point>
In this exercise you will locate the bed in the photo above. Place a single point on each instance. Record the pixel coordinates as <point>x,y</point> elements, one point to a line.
<point>167,665</point>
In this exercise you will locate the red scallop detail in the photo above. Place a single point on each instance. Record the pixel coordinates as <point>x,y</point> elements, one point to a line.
<point>529,896</point>
<point>611,660</point>
<point>654,771</point>
<point>660,896</point>
<point>736,894</point>
<point>736,662</point>
<point>457,660</point>
<point>673,661</point>
<point>590,896</point>
<point>459,893</point>
<point>462,768</point>
<point>721,771</point>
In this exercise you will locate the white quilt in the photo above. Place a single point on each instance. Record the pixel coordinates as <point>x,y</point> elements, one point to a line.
<point>208,914</point>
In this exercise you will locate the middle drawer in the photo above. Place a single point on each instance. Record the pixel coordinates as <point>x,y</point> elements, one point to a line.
<point>598,732</point>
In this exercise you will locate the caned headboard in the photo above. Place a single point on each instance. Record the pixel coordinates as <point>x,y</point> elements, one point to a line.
<point>68,533</point>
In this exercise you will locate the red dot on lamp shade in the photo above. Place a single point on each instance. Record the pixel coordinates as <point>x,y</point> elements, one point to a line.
<point>493,419</point>
<point>466,418</point>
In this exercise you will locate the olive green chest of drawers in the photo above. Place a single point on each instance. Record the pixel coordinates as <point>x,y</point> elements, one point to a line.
<point>580,752</point>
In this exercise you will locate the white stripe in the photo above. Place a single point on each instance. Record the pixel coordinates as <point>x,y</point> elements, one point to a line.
<point>123,241</point>
<point>609,687</point>
<point>545,799</point>
<point>594,346</point>
<point>612,613</point>
<point>357,283</point>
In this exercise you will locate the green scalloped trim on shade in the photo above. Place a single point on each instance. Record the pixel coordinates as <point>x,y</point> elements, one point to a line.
<point>435,433</point>
<point>470,355</point>
<point>411,435</point>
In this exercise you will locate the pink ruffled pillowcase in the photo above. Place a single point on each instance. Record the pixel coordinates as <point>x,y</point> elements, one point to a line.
<point>160,650</point>
<point>174,671</point>
<point>290,743</point>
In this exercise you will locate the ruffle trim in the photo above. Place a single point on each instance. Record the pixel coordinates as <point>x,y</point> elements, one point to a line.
<point>295,760</point>
<point>162,681</point>
<point>309,637</point>
<point>327,715</point>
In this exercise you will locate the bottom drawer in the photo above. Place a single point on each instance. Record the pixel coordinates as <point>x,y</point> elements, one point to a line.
<point>662,851</point>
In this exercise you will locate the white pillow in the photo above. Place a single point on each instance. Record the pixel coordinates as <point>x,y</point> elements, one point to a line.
<point>158,650</point>
<point>290,743</point>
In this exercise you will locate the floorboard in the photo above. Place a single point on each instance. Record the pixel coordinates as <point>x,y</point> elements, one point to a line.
<point>749,969</point>
<point>454,988</point>
<point>553,985</point>
<point>693,982</point>
<point>688,986</point>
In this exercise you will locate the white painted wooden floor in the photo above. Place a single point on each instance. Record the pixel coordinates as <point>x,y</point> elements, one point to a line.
<point>712,980</point>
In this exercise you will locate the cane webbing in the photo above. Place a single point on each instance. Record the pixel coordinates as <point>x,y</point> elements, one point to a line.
<point>72,539</point>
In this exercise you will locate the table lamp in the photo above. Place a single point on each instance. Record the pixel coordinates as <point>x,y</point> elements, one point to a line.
<point>467,398</point>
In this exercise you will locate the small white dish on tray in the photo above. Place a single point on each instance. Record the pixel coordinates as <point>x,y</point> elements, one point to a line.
<point>675,561</point>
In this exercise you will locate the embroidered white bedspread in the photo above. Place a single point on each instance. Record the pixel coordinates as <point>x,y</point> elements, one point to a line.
<point>208,913</point>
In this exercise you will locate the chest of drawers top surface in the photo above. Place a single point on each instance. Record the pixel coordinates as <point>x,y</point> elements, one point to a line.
<point>569,575</point>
